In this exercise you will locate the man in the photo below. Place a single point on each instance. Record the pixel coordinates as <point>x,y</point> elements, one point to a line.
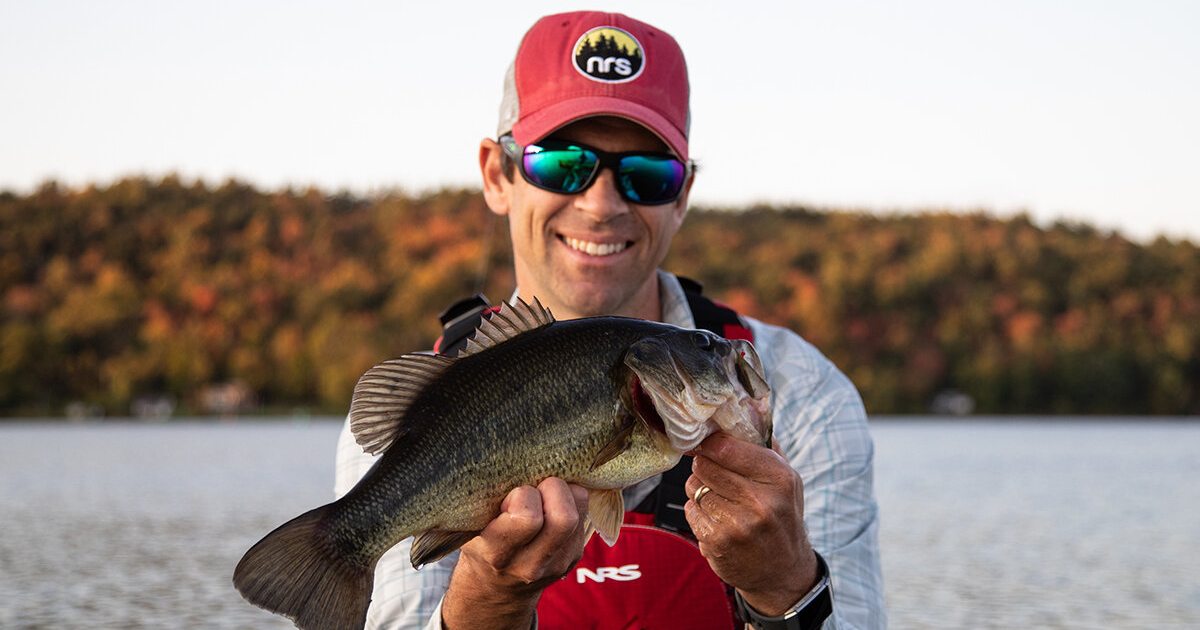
<point>591,169</point>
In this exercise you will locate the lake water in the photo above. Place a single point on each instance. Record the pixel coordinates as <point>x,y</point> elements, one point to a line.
<point>986,524</point>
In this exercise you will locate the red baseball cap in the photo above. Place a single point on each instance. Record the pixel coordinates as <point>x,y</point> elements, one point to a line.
<point>590,63</point>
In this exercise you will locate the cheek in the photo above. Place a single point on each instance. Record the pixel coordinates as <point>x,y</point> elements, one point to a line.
<point>529,218</point>
<point>520,217</point>
<point>665,224</point>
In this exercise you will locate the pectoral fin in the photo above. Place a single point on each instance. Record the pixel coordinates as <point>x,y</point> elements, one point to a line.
<point>619,444</point>
<point>750,371</point>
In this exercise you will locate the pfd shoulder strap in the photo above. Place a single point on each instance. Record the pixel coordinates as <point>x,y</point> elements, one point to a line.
<point>713,315</point>
<point>459,320</point>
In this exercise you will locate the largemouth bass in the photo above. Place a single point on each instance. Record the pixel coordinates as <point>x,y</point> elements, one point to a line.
<point>601,402</point>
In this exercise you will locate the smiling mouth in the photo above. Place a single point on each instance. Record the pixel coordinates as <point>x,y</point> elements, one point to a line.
<point>595,249</point>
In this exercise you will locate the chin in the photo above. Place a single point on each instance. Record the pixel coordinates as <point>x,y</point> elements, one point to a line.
<point>596,302</point>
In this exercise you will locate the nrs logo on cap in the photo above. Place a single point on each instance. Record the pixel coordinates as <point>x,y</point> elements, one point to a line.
<point>609,54</point>
<point>591,63</point>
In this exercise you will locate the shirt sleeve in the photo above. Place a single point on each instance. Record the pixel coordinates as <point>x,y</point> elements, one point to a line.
<point>403,598</point>
<point>821,424</point>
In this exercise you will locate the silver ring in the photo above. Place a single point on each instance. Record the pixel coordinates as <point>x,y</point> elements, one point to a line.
<point>700,493</point>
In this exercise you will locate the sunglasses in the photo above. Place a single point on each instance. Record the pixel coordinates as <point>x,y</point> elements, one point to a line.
<point>567,168</point>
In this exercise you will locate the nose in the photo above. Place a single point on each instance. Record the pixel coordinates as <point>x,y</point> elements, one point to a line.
<point>601,200</point>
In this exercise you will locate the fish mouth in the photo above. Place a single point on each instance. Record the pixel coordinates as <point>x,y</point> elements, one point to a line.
<point>690,392</point>
<point>643,406</point>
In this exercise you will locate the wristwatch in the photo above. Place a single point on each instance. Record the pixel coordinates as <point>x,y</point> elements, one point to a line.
<point>807,614</point>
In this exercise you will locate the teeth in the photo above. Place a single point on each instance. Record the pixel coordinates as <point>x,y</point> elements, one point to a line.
<point>594,249</point>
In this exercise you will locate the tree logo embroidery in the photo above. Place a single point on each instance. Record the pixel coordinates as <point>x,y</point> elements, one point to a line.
<point>609,54</point>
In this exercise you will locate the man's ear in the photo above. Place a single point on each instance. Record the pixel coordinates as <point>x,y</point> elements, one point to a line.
<point>496,187</point>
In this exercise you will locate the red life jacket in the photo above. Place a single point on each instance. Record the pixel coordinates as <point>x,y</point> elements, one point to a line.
<point>651,579</point>
<point>654,577</point>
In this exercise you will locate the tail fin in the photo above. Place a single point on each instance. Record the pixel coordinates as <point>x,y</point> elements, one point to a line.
<point>296,571</point>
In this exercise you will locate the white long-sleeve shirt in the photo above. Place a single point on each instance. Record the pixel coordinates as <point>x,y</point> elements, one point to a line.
<point>821,425</point>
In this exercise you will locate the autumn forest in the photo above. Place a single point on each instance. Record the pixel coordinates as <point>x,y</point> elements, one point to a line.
<point>143,287</point>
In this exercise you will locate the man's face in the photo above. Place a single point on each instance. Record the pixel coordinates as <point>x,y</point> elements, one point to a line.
<point>590,253</point>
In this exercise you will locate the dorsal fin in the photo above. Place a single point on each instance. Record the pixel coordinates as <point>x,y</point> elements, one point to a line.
<point>511,321</point>
<point>383,395</point>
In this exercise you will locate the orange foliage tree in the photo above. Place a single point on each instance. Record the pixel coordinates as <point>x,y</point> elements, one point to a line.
<point>109,293</point>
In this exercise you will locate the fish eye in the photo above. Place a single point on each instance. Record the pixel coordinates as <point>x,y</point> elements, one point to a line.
<point>702,341</point>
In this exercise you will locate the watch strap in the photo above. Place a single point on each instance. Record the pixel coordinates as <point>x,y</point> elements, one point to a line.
<point>807,614</point>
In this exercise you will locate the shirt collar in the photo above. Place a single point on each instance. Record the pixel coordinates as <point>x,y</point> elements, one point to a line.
<point>674,302</point>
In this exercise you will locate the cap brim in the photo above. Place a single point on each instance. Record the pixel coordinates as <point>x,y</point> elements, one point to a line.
<point>542,123</point>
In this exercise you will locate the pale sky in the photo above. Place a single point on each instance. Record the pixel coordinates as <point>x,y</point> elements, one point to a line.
<point>1075,109</point>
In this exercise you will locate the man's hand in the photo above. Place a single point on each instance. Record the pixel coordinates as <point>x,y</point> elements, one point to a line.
<point>750,525</point>
<point>536,539</point>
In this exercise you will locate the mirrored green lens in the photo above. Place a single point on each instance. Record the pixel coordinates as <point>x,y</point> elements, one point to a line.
<point>650,178</point>
<point>567,170</point>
